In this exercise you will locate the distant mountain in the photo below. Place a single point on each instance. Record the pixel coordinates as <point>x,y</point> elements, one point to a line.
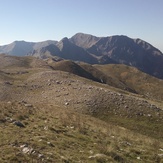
<point>132,52</point>
<point>95,50</point>
<point>74,52</point>
<point>22,48</point>
<point>18,48</point>
<point>84,40</point>
<point>45,52</point>
<point>65,49</point>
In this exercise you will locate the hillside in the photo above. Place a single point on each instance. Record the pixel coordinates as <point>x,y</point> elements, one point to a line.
<point>116,75</point>
<point>143,84</point>
<point>57,113</point>
<point>54,134</point>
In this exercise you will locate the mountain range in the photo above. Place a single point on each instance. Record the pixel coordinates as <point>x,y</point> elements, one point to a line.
<point>95,50</point>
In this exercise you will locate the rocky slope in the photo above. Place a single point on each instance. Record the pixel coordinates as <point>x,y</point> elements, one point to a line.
<point>57,113</point>
<point>21,82</point>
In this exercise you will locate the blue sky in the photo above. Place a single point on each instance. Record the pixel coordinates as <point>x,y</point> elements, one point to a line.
<point>39,20</point>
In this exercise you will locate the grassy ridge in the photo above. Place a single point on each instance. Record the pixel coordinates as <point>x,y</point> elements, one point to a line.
<point>144,84</point>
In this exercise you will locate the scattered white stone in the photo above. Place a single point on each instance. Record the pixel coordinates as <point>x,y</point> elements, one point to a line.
<point>161,149</point>
<point>160,155</point>
<point>49,143</point>
<point>24,145</point>
<point>91,152</point>
<point>33,152</point>
<point>128,143</point>
<point>67,103</point>
<point>62,157</point>
<point>138,158</point>
<point>28,105</point>
<point>98,155</point>
<point>25,150</point>
<point>49,153</point>
<point>81,151</point>
<point>9,119</point>
<point>72,127</point>
<point>46,128</point>
<point>40,155</point>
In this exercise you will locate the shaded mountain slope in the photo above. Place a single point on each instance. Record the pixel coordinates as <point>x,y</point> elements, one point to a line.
<point>105,78</point>
<point>131,52</point>
<point>142,83</point>
<point>88,71</point>
<point>73,52</point>
<point>49,51</point>
<point>124,50</point>
<point>118,76</point>
<point>72,67</point>
<point>64,49</point>
<point>87,48</point>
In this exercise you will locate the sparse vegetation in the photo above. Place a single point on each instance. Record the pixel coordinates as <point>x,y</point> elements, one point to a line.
<point>48,115</point>
<point>63,135</point>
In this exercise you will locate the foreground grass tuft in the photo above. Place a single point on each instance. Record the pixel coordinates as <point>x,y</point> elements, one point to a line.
<point>54,134</point>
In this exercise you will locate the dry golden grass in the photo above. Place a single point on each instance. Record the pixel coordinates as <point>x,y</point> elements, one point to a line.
<point>58,135</point>
<point>49,104</point>
<point>144,84</point>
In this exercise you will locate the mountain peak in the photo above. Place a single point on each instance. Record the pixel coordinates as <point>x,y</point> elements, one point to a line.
<point>96,50</point>
<point>84,40</point>
<point>19,41</point>
<point>65,39</point>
